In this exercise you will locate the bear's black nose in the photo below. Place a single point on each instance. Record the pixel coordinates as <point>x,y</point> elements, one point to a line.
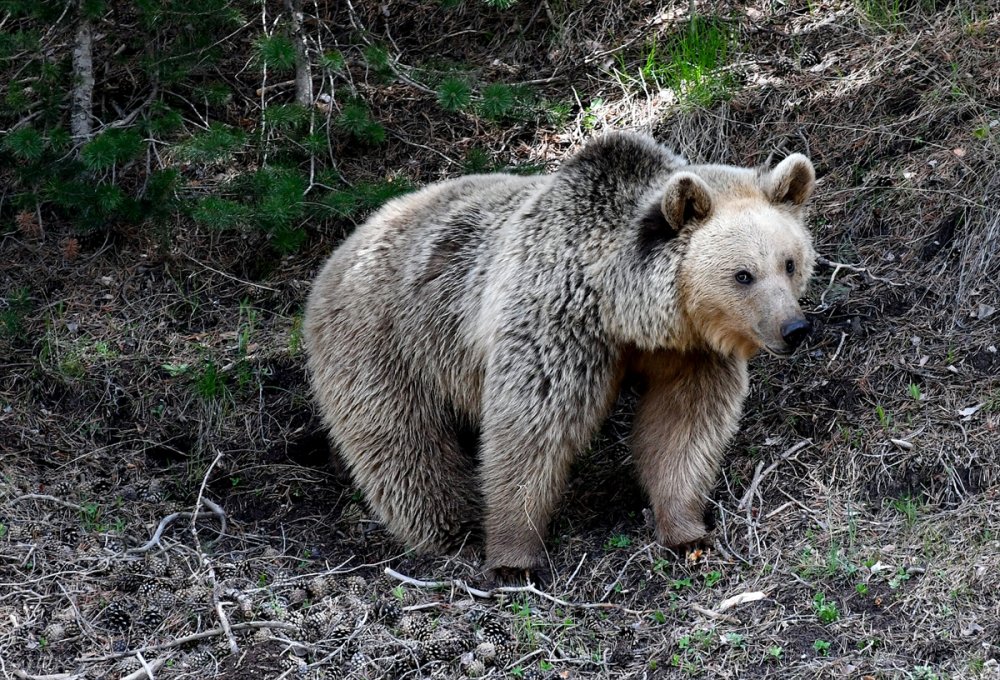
<point>795,331</point>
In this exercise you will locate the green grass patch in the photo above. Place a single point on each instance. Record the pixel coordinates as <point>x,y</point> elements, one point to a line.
<point>691,62</point>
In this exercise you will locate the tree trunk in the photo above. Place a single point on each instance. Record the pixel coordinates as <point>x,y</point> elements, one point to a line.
<point>303,70</point>
<point>81,114</point>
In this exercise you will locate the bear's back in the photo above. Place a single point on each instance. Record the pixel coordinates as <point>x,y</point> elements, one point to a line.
<point>407,283</point>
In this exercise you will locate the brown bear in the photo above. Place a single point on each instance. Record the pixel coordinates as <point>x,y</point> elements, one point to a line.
<point>517,306</point>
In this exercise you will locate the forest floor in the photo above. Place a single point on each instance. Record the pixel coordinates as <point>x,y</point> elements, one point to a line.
<point>164,477</point>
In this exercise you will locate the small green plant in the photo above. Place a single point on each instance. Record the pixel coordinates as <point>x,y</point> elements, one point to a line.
<point>619,541</point>
<point>245,327</point>
<point>590,117</point>
<point>774,652</point>
<point>914,392</point>
<point>355,120</point>
<point>377,59</point>
<point>735,640</point>
<point>497,101</point>
<point>276,52</point>
<point>826,610</point>
<point>558,113</point>
<point>681,583</point>
<point>110,148</point>
<point>885,14</point>
<point>924,673</point>
<point>712,578</point>
<point>211,382</point>
<point>525,620</point>
<point>3,530</point>
<point>174,370</point>
<point>477,161</point>
<point>295,335</point>
<point>657,616</point>
<point>899,578</point>
<point>691,62</point>
<point>285,117</point>
<point>907,506</point>
<point>71,366</point>
<point>822,647</point>
<point>992,403</point>
<point>14,313</point>
<point>454,94</point>
<point>398,593</point>
<point>861,589</point>
<point>333,60</point>
<point>26,143</point>
<point>215,144</point>
<point>884,419</point>
<point>90,516</point>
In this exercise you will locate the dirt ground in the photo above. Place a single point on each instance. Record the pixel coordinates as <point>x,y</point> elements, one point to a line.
<point>169,507</point>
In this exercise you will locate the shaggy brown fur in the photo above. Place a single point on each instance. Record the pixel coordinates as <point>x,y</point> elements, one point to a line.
<point>517,306</point>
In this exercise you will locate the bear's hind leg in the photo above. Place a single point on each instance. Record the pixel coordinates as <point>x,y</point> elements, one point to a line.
<point>686,416</point>
<point>414,473</point>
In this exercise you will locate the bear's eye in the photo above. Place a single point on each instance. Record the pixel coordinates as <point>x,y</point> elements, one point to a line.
<point>744,277</point>
<point>790,266</point>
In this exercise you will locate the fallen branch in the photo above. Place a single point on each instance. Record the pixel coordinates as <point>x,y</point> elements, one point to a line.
<point>21,675</point>
<point>166,521</point>
<point>438,585</point>
<point>759,475</point>
<point>147,669</point>
<point>837,266</point>
<point>46,497</point>
<point>742,598</point>
<point>213,581</point>
<point>711,613</point>
<point>495,592</point>
<point>194,637</point>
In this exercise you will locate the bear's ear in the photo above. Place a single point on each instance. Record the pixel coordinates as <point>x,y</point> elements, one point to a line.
<point>791,181</point>
<point>686,198</point>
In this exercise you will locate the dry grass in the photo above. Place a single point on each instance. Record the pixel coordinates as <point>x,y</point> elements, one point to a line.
<point>860,499</point>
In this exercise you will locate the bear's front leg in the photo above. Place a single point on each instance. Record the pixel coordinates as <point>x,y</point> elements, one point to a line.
<point>686,416</point>
<point>539,411</point>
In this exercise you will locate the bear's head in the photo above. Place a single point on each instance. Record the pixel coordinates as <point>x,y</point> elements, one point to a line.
<point>748,255</point>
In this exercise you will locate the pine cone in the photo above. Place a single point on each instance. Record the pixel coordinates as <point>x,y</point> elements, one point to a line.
<point>149,621</point>
<point>198,659</point>
<point>475,669</point>
<point>319,587</point>
<point>494,631</point>
<point>357,586</point>
<point>440,650</point>
<point>485,652</point>
<point>415,627</point>
<point>388,612</point>
<point>156,565</point>
<point>54,632</point>
<point>623,652</point>
<point>226,571</point>
<point>116,617</point>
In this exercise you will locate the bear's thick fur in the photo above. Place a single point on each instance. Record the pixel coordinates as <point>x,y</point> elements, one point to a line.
<point>516,306</point>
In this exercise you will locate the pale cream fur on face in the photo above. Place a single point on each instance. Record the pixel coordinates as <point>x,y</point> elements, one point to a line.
<point>752,235</point>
